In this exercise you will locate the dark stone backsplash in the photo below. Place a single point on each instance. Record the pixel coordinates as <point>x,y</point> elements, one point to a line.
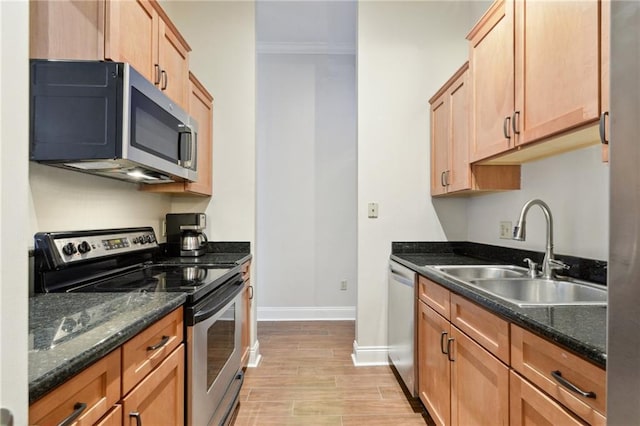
<point>579,268</point>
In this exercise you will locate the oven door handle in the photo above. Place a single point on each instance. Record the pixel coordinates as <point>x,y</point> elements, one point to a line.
<point>220,302</point>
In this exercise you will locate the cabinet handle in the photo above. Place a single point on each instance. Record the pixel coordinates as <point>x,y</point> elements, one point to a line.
<point>505,127</point>
<point>156,80</point>
<point>603,120</point>
<point>449,349</point>
<point>514,122</point>
<point>442,179</point>
<point>78,408</point>
<point>161,343</point>
<point>447,174</point>
<point>442,336</point>
<point>250,292</point>
<point>166,80</point>
<point>137,416</point>
<point>567,384</point>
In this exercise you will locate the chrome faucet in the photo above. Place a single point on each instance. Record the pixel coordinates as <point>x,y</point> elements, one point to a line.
<point>549,263</point>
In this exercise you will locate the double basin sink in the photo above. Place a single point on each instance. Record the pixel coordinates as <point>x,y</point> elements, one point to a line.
<point>514,285</point>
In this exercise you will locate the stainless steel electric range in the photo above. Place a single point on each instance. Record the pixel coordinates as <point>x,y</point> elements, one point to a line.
<point>122,260</point>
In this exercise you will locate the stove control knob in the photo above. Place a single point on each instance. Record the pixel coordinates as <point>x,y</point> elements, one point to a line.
<point>69,249</point>
<point>135,240</point>
<point>147,238</point>
<point>84,247</point>
<point>142,240</point>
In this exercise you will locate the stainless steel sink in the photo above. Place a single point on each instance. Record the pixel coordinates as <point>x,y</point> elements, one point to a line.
<point>472,272</point>
<point>541,292</point>
<point>512,284</point>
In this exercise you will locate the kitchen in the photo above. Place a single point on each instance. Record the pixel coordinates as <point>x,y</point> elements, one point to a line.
<point>232,208</point>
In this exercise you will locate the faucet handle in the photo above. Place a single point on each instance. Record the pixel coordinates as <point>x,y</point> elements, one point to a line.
<point>533,272</point>
<point>558,264</point>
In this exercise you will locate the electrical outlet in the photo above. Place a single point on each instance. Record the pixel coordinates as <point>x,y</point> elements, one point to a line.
<point>373,210</point>
<point>164,228</point>
<point>506,232</point>
<point>343,285</point>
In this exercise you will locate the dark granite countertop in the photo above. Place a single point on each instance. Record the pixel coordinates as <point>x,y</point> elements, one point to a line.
<point>580,329</point>
<point>123,315</point>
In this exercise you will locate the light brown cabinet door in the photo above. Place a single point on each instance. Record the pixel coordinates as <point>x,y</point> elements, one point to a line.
<point>159,398</point>
<point>557,72</point>
<point>439,145</point>
<point>173,58</point>
<point>132,36</point>
<point>479,384</point>
<point>459,170</point>
<point>434,371</point>
<point>201,108</point>
<point>529,406</point>
<point>491,63</point>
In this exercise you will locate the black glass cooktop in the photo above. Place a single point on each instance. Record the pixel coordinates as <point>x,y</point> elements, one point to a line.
<point>195,280</point>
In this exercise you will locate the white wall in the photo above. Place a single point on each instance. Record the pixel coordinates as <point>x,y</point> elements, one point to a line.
<point>306,185</point>
<point>575,185</point>
<point>222,36</point>
<point>14,142</point>
<point>406,51</point>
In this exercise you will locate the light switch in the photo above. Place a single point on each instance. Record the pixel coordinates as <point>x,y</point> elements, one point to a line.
<point>373,210</point>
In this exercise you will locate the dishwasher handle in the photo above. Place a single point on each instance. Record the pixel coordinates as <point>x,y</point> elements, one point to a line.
<point>402,275</point>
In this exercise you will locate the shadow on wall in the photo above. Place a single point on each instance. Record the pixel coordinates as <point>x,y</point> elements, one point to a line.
<point>452,216</point>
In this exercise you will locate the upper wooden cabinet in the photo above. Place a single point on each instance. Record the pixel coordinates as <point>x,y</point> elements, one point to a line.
<point>137,31</point>
<point>200,108</point>
<point>450,168</point>
<point>536,73</point>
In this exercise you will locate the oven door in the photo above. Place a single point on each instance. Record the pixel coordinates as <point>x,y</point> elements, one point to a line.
<point>214,355</point>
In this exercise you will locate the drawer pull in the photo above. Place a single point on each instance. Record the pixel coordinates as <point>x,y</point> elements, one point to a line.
<point>442,336</point>
<point>567,384</point>
<point>161,343</point>
<point>78,408</point>
<point>137,416</point>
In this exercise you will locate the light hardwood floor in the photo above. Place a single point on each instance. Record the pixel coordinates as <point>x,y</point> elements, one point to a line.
<point>306,377</point>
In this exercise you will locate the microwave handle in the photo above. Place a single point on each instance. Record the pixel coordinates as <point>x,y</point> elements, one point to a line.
<point>186,147</point>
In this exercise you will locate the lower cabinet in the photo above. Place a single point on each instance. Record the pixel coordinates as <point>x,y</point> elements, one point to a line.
<point>434,371</point>
<point>460,383</point>
<point>125,387</point>
<point>247,301</point>
<point>529,406</point>
<point>159,398</point>
<point>474,368</point>
<point>86,397</point>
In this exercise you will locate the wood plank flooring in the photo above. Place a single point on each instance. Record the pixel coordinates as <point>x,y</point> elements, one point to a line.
<point>306,377</point>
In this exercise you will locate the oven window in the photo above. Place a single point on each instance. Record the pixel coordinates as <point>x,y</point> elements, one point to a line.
<point>220,343</point>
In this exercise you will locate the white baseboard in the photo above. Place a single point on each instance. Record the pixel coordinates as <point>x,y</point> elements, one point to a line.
<point>369,355</point>
<point>331,313</point>
<point>254,355</point>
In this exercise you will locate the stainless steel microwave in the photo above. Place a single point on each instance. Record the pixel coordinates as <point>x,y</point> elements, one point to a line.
<point>106,119</point>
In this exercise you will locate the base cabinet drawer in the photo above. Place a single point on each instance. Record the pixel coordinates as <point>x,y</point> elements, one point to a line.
<point>145,351</point>
<point>86,397</point>
<point>113,418</point>
<point>530,406</point>
<point>570,380</point>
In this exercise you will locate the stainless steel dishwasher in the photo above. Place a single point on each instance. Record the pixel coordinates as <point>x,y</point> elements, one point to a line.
<point>400,323</point>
